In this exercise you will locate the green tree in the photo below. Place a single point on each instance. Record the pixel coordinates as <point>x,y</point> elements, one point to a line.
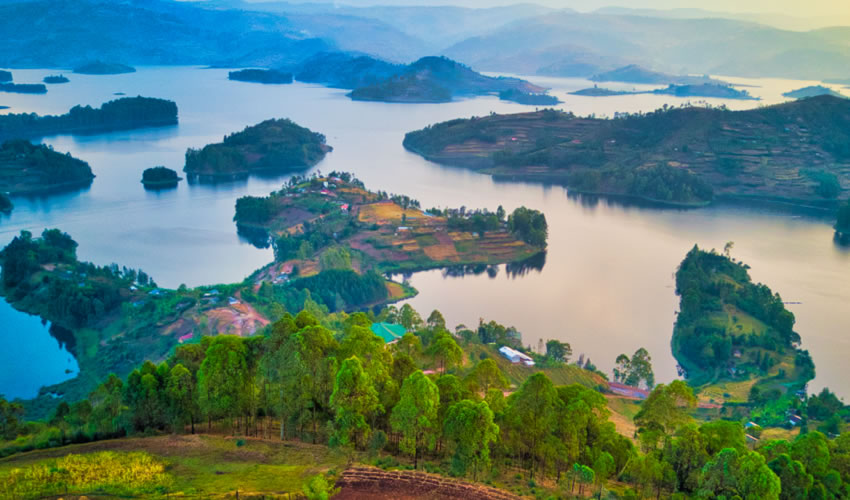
<point>445,351</point>
<point>181,396</point>
<point>665,409</point>
<point>10,415</point>
<point>794,479</point>
<point>409,344</point>
<point>744,474</point>
<point>409,318</point>
<point>485,376</point>
<point>415,415</point>
<point>354,398</point>
<point>436,321</point>
<point>558,351</point>
<point>603,468</point>
<point>223,378</point>
<point>317,488</point>
<point>530,415</point>
<point>469,426</point>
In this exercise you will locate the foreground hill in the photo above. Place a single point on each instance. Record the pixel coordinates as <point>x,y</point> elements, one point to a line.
<point>27,169</point>
<point>795,152</point>
<point>439,79</point>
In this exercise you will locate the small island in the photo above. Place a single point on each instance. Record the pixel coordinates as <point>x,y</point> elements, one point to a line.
<point>26,168</point>
<point>597,91</point>
<point>735,337</point>
<point>121,114</point>
<point>267,76</point>
<point>634,73</point>
<point>690,155</point>
<point>812,91</point>
<point>23,88</point>
<point>5,76</point>
<point>5,203</point>
<point>709,90</point>
<point>277,146</point>
<point>533,99</point>
<point>160,177</point>
<point>103,68</point>
<point>437,80</point>
<point>55,79</point>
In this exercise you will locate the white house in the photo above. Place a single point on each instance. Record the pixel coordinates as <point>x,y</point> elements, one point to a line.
<point>515,356</point>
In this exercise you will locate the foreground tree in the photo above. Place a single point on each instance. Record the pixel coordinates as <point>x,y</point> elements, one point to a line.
<point>469,426</point>
<point>354,398</point>
<point>415,415</point>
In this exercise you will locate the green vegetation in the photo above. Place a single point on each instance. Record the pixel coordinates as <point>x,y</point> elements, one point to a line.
<point>705,90</point>
<point>159,176</point>
<point>279,145</point>
<point>103,68</point>
<point>341,70</point>
<point>794,152</point>
<point>439,79</point>
<point>732,330</point>
<point>6,205</point>
<point>54,79</point>
<point>23,88</point>
<point>121,114</point>
<point>268,76</point>
<point>521,97</point>
<point>27,168</point>
<point>842,224</point>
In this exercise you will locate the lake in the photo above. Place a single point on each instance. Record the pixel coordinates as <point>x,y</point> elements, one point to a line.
<point>607,283</point>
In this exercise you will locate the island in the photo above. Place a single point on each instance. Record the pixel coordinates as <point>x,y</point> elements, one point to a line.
<point>533,99</point>
<point>103,68</point>
<point>23,88</point>
<point>5,76</point>
<point>54,79</point>
<point>438,79</point>
<point>6,205</point>
<point>597,91</point>
<point>842,224</point>
<point>795,152</point>
<point>26,168</point>
<point>345,71</point>
<point>711,90</point>
<point>121,114</point>
<point>812,91</point>
<point>735,337</point>
<point>267,76</point>
<point>276,146</point>
<point>159,177</point>
<point>634,73</point>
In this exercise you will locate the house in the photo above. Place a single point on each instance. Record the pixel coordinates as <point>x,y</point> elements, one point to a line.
<point>750,425</point>
<point>186,337</point>
<point>515,356</point>
<point>232,301</point>
<point>627,391</point>
<point>795,420</point>
<point>389,332</point>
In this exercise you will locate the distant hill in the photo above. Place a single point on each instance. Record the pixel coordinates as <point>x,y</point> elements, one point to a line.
<point>637,74</point>
<point>5,76</point>
<point>267,76</point>
<point>273,145</point>
<point>704,90</point>
<point>812,91</point>
<point>26,169</point>
<point>438,79</point>
<point>797,152</point>
<point>344,70</point>
<point>103,68</point>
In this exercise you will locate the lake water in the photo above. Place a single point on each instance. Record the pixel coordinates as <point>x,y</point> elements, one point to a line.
<point>607,283</point>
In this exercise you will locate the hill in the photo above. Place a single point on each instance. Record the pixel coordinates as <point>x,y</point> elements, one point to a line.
<point>794,152</point>
<point>121,114</point>
<point>812,91</point>
<point>103,68</point>
<point>267,76</point>
<point>637,74</point>
<point>438,79</point>
<point>273,145</point>
<point>26,169</point>
<point>345,71</point>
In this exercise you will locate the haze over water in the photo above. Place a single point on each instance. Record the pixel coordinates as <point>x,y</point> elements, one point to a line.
<point>607,284</point>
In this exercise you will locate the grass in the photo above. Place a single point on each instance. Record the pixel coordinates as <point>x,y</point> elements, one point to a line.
<point>209,466</point>
<point>517,373</point>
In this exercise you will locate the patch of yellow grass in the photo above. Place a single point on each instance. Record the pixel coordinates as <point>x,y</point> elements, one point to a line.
<point>386,211</point>
<point>441,252</point>
<point>395,290</point>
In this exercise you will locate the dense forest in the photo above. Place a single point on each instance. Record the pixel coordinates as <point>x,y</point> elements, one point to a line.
<point>27,168</point>
<point>268,76</point>
<point>120,114</point>
<point>329,380</point>
<point>23,88</point>
<point>796,152</point>
<point>279,145</point>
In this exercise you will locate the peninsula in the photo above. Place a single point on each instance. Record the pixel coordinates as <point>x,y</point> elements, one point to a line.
<point>27,169</point>
<point>103,68</point>
<point>121,114</point>
<point>439,79</point>
<point>267,76</point>
<point>271,146</point>
<point>794,152</point>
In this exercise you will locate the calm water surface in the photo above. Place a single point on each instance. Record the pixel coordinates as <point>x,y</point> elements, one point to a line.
<point>607,284</point>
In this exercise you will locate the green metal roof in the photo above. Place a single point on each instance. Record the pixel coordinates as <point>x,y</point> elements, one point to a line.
<point>388,331</point>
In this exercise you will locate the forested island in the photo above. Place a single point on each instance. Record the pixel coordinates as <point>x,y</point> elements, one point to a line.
<point>54,79</point>
<point>597,91</point>
<point>439,79</point>
<point>26,169</point>
<point>533,99</point>
<point>121,114</point>
<point>267,76</point>
<point>634,73</point>
<point>103,68</point>
<point>796,152</point>
<point>23,88</point>
<point>812,91</point>
<point>737,336</point>
<point>271,146</point>
<point>709,90</point>
<point>159,176</point>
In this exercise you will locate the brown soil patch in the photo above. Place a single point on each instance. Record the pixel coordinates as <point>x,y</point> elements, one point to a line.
<point>369,483</point>
<point>394,290</point>
<point>441,252</point>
